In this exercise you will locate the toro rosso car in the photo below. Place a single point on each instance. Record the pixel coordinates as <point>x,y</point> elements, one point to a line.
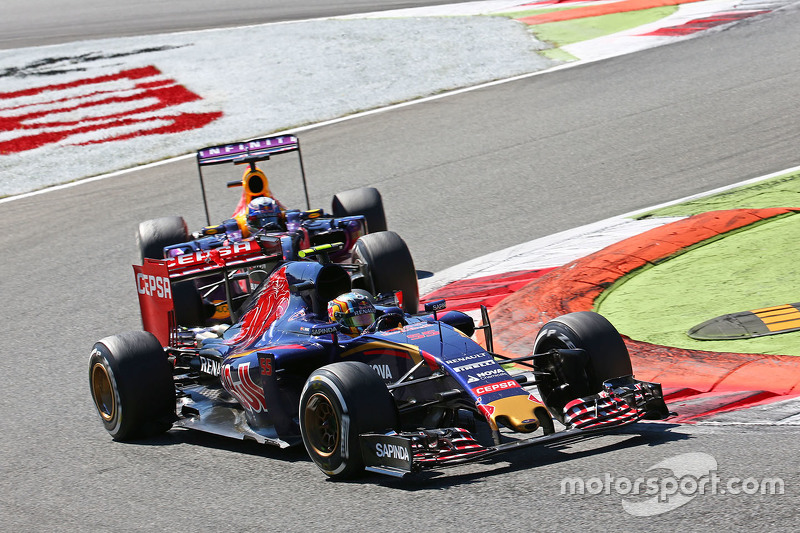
<point>407,393</point>
<point>357,218</point>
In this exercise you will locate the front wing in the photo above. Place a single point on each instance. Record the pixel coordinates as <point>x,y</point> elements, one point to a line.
<point>621,402</point>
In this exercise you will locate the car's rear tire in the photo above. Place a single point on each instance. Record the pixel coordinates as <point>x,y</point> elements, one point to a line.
<point>151,238</point>
<point>339,402</point>
<point>569,378</point>
<point>130,380</point>
<point>365,201</point>
<point>390,266</point>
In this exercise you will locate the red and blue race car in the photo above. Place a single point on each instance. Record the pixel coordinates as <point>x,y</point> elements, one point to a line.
<point>372,388</point>
<point>370,253</point>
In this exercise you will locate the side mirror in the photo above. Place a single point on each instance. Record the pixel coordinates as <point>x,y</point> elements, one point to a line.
<point>437,305</point>
<point>297,288</point>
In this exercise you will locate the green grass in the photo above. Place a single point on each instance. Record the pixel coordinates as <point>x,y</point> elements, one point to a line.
<point>533,12</point>
<point>573,31</point>
<point>752,268</point>
<point>780,191</point>
<point>557,54</point>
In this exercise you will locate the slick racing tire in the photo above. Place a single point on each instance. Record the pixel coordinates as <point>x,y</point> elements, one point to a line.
<point>130,380</point>
<point>390,266</point>
<point>153,235</point>
<point>151,238</point>
<point>366,201</point>
<point>569,378</point>
<point>339,402</point>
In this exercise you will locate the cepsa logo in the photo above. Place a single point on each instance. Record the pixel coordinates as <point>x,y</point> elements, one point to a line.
<point>204,256</point>
<point>494,387</point>
<point>157,286</point>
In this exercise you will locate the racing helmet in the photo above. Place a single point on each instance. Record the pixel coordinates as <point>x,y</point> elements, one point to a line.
<point>353,310</point>
<point>263,212</point>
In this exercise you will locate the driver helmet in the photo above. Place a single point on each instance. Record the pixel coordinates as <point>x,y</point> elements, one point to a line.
<point>263,212</point>
<point>353,310</point>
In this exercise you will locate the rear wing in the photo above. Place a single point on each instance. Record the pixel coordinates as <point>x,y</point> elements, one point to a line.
<point>249,152</point>
<point>155,278</point>
<point>240,254</point>
<point>239,152</point>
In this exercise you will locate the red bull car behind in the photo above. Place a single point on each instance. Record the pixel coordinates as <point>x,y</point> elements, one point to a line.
<point>357,220</point>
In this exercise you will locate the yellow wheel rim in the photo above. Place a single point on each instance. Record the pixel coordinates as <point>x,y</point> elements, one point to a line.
<point>103,393</point>
<point>322,425</point>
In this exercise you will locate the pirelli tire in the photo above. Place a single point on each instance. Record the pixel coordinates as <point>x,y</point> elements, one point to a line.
<point>130,380</point>
<point>389,266</point>
<point>151,238</point>
<point>569,378</point>
<point>153,235</point>
<point>365,201</point>
<point>340,401</point>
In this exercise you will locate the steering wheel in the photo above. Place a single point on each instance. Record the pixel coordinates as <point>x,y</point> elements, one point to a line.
<point>386,322</point>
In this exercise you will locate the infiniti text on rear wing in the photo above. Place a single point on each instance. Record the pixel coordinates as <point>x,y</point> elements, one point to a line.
<point>239,152</point>
<point>155,277</point>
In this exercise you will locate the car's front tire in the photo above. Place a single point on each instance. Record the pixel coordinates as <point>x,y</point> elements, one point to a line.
<point>570,377</point>
<point>365,201</point>
<point>153,235</point>
<point>339,402</point>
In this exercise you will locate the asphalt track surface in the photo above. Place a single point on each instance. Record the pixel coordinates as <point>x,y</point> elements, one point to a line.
<point>461,176</point>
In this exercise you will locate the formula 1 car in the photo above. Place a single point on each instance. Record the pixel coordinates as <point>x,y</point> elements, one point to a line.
<point>410,392</point>
<point>356,215</point>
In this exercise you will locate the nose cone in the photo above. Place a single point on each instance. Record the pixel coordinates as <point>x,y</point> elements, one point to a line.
<point>520,413</point>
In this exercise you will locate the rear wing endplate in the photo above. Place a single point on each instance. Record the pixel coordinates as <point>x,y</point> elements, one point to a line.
<point>155,299</point>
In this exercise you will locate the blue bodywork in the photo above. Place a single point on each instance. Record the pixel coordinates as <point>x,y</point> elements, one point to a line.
<point>304,229</point>
<point>284,334</point>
